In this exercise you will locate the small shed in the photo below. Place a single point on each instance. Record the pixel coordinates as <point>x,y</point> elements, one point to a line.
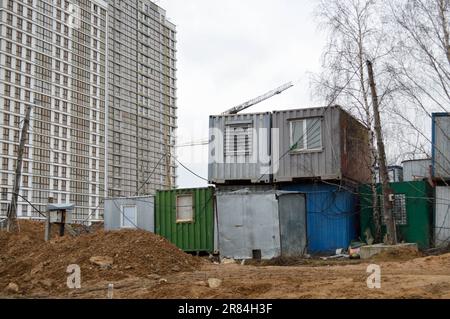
<point>130,213</point>
<point>413,212</point>
<point>332,215</point>
<point>185,217</point>
<point>324,143</point>
<point>261,224</point>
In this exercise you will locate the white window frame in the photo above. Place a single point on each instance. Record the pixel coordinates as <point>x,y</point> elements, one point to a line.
<point>185,221</point>
<point>228,152</point>
<point>122,219</point>
<point>305,149</point>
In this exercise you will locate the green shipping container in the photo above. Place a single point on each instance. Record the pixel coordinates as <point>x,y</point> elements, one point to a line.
<point>186,218</point>
<point>413,212</point>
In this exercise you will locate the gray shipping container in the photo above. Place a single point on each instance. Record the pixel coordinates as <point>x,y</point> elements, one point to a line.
<point>249,187</point>
<point>326,143</point>
<point>240,148</point>
<point>416,170</point>
<point>261,224</point>
<point>133,212</point>
<point>441,146</point>
<point>442,216</point>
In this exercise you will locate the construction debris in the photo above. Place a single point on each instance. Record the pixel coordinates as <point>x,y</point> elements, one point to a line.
<point>339,254</point>
<point>227,261</point>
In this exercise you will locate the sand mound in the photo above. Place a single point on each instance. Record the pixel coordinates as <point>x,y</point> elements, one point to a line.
<point>398,254</point>
<point>27,260</point>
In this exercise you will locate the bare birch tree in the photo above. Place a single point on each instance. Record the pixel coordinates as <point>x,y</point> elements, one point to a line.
<point>355,34</point>
<point>408,40</point>
<point>419,65</point>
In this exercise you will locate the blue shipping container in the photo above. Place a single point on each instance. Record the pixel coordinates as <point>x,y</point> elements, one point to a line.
<point>331,216</point>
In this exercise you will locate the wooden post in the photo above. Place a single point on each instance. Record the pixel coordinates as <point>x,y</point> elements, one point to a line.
<point>48,225</point>
<point>12,211</point>
<point>387,204</point>
<point>63,223</point>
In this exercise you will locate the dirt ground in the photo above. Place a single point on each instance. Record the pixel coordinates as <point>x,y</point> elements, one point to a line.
<point>157,269</point>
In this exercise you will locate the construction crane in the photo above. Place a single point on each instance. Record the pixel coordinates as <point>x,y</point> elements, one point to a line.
<point>259,99</point>
<point>240,108</point>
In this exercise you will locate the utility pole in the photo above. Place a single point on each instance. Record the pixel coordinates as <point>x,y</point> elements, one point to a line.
<point>12,210</point>
<point>387,204</point>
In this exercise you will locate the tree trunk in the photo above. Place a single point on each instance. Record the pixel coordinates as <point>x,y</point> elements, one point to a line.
<point>444,23</point>
<point>373,164</point>
<point>387,204</point>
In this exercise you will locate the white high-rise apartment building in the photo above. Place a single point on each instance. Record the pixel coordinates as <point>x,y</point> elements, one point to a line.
<point>100,77</point>
<point>142,98</point>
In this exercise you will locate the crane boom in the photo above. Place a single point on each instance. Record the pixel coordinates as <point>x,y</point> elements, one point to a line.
<point>259,99</point>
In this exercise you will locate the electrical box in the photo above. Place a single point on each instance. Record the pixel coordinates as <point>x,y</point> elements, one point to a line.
<point>57,217</point>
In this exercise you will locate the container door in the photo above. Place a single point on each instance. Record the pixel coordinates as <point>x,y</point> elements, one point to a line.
<point>292,212</point>
<point>231,218</point>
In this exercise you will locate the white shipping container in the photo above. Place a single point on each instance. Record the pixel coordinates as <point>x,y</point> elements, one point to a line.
<point>442,216</point>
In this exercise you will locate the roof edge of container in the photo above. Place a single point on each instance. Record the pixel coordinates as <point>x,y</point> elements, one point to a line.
<point>417,160</point>
<point>307,108</point>
<point>187,189</point>
<point>440,114</point>
<point>129,197</point>
<point>238,114</point>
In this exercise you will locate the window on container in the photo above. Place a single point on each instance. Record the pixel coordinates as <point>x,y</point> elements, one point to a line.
<point>185,209</point>
<point>398,209</point>
<point>128,217</point>
<point>306,134</point>
<point>238,140</point>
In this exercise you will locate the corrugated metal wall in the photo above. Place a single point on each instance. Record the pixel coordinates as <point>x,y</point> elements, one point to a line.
<point>418,196</point>
<point>324,163</point>
<point>247,222</point>
<point>416,170</point>
<point>442,216</point>
<point>441,143</point>
<point>344,152</point>
<point>332,216</point>
<point>189,236</point>
<point>292,218</point>
<point>144,212</point>
<point>355,151</point>
<point>249,187</point>
<point>253,167</point>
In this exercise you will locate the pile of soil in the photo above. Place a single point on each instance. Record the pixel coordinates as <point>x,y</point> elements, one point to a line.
<point>33,264</point>
<point>398,254</point>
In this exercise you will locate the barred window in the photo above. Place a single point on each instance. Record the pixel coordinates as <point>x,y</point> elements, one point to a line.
<point>238,139</point>
<point>399,209</point>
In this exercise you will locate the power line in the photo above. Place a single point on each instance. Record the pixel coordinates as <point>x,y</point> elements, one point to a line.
<point>307,131</point>
<point>190,171</point>
<point>151,174</point>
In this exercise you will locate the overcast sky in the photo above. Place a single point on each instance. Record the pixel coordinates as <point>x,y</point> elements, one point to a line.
<point>234,50</point>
